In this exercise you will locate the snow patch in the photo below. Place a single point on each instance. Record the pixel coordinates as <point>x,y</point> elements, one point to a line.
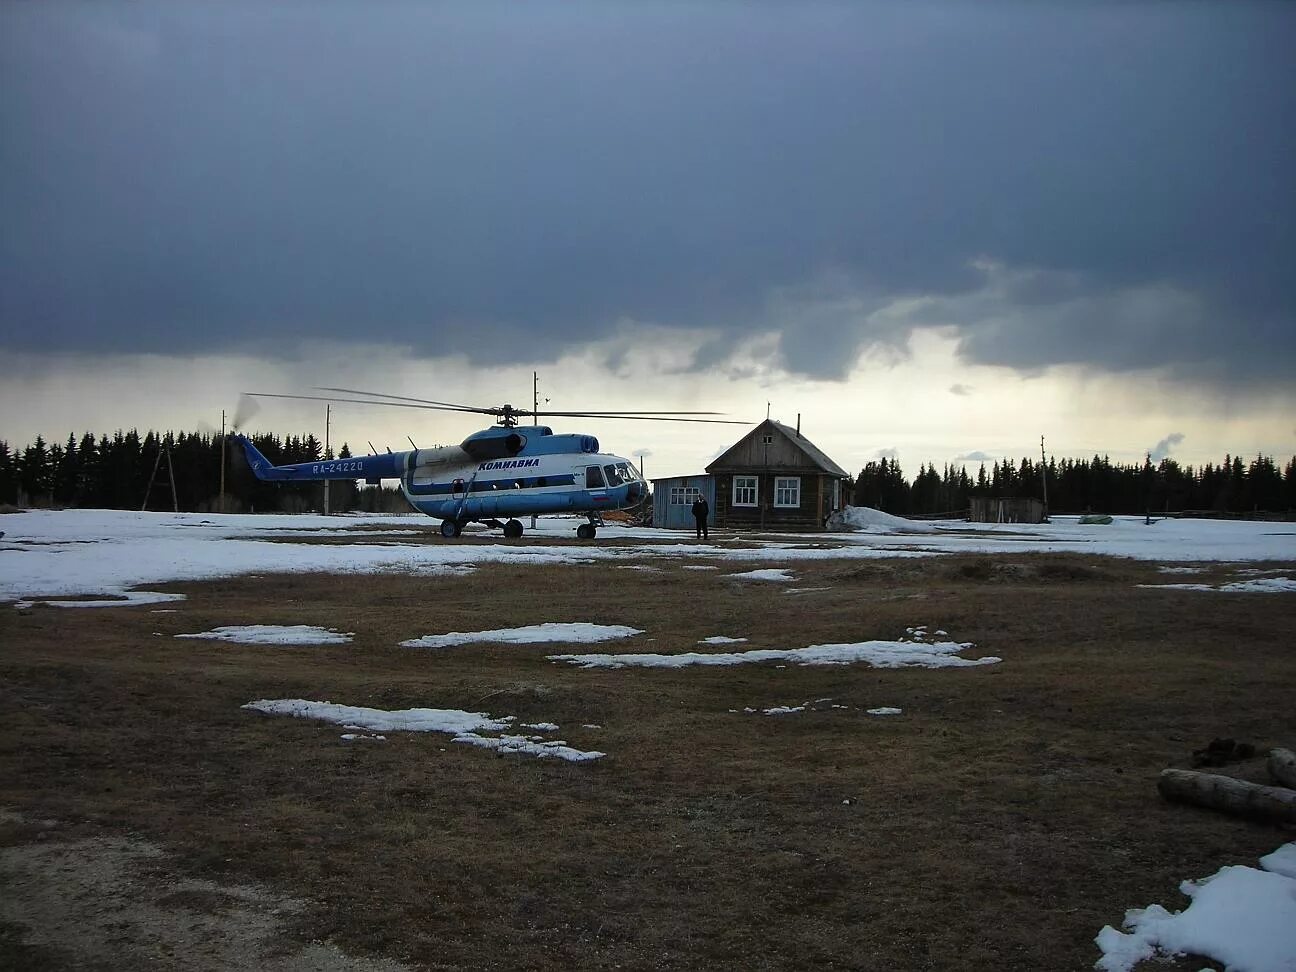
<point>124,599</point>
<point>721,640</point>
<point>885,710</point>
<point>879,654</point>
<point>1242,917</point>
<point>867,520</point>
<point>767,574</point>
<point>275,634</point>
<point>464,727</point>
<point>579,631</point>
<point>1258,585</point>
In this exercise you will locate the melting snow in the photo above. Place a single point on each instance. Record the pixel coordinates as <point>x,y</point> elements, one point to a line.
<point>465,727</point>
<point>1242,917</point>
<point>580,631</point>
<point>105,552</point>
<point>885,710</point>
<point>1260,585</point>
<point>879,654</point>
<point>275,634</point>
<point>124,599</point>
<point>721,640</point>
<point>768,574</point>
<point>868,520</point>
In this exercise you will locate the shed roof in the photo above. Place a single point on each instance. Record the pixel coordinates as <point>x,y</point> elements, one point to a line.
<point>731,458</point>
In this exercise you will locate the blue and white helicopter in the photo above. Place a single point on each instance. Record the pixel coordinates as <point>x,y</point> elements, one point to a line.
<point>493,476</point>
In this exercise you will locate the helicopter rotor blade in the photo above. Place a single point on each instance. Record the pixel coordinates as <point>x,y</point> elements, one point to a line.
<point>362,401</point>
<point>402,398</point>
<point>639,417</point>
<point>500,409</point>
<point>505,412</point>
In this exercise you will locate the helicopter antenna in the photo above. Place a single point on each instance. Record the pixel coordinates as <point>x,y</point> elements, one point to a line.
<point>411,442</point>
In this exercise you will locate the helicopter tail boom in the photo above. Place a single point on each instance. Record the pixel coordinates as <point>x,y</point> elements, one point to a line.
<point>372,469</point>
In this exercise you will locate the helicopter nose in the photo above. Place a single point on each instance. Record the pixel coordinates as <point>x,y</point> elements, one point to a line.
<point>634,491</point>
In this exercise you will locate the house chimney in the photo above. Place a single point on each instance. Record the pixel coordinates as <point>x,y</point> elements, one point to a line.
<point>798,425</point>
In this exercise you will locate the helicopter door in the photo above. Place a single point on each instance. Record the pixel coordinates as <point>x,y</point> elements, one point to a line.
<point>457,488</point>
<point>594,478</point>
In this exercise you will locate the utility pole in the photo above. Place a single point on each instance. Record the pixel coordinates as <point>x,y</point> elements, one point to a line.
<point>535,416</point>
<point>222,489</point>
<point>1044,476</point>
<point>328,414</point>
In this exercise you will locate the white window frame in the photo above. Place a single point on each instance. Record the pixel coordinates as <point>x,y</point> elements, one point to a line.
<point>742,485</point>
<point>684,495</point>
<point>782,487</point>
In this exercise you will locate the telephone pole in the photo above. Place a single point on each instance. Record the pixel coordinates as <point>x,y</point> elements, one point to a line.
<point>328,414</point>
<point>222,488</point>
<point>1044,476</point>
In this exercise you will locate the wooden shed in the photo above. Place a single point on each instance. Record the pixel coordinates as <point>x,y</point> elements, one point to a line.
<point>673,500</point>
<point>774,478</point>
<point>1006,509</point>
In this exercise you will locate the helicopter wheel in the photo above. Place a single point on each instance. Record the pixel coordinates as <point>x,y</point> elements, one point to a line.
<point>513,529</point>
<point>585,531</point>
<point>449,529</point>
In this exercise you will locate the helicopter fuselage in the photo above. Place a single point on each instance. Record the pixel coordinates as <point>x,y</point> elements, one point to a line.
<point>498,473</point>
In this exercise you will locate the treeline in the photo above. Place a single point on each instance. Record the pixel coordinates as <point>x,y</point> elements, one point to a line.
<point>119,471</point>
<point>122,470</point>
<point>1077,485</point>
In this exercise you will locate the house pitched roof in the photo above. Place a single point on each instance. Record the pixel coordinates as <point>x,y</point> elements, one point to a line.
<point>731,458</point>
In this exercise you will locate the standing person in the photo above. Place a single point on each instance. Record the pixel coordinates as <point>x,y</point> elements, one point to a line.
<point>701,510</point>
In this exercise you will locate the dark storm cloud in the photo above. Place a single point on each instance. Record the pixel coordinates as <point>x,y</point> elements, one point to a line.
<point>509,181</point>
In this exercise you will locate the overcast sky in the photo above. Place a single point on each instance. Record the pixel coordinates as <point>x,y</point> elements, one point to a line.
<point>986,221</point>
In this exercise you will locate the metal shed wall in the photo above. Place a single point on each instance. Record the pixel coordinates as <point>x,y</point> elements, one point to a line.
<point>679,516</point>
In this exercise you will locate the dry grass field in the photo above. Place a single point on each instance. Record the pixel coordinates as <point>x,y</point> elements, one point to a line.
<point>998,823</point>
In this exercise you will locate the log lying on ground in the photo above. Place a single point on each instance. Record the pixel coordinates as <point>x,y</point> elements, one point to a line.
<point>1230,795</point>
<point>1282,767</point>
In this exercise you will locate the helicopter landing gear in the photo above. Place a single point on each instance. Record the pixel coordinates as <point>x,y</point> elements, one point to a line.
<point>450,529</point>
<point>513,529</point>
<point>586,531</point>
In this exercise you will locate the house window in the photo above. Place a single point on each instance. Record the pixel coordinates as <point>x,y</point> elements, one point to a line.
<point>684,495</point>
<point>744,491</point>
<point>767,440</point>
<point>787,491</point>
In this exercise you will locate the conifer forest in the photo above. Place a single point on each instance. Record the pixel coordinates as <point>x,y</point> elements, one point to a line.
<point>164,471</point>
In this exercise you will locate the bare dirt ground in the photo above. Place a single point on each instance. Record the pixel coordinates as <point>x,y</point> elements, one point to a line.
<point>1006,816</point>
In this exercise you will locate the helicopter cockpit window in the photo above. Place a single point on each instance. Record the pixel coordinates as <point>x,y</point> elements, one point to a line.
<point>628,472</point>
<point>613,475</point>
<point>594,477</point>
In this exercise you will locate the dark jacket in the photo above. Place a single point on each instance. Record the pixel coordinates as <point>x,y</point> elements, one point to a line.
<point>701,508</point>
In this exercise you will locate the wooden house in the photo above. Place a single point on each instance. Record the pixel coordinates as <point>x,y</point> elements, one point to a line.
<point>775,479</point>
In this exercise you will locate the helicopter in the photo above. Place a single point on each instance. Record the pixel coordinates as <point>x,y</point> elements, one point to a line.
<point>495,475</point>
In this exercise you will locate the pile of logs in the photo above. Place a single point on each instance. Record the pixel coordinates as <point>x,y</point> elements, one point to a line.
<point>1276,803</point>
